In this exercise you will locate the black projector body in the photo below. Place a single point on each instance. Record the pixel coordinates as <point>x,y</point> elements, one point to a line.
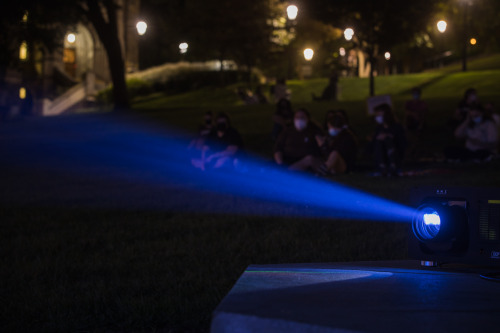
<point>455,225</point>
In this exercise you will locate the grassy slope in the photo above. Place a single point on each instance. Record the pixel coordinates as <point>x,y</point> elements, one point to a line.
<point>67,268</point>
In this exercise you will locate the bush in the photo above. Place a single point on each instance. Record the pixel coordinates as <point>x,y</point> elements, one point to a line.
<point>182,81</point>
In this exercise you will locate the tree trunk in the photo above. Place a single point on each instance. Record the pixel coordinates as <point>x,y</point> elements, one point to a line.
<point>107,29</point>
<point>117,69</point>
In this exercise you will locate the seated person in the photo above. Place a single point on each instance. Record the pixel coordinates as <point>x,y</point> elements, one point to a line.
<point>203,131</point>
<point>388,141</point>
<point>460,114</point>
<point>330,92</point>
<point>415,111</point>
<point>481,137</point>
<point>282,117</point>
<point>339,147</point>
<point>296,147</point>
<point>221,147</point>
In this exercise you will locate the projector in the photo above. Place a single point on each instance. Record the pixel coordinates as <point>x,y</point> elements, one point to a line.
<point>455,225</point>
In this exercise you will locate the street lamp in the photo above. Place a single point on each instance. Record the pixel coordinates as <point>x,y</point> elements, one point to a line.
<point>292,12</point>
<point>387,56</point>
<point>71,38</point>
<point>441,25</point>
<point>308,54</point>
<point>183,47</point>
<point>465,41</point>
<point>348,34</point>
<point>141,27</point>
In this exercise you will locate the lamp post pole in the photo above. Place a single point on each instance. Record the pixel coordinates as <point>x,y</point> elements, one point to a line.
<point>465,37</point>
<point>292,12</point>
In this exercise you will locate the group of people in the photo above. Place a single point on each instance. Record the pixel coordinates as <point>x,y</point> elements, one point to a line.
<point>475,126</point>
<point>303,144</point>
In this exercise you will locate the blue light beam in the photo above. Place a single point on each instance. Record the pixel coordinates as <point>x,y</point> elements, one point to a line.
<point>151,156</point>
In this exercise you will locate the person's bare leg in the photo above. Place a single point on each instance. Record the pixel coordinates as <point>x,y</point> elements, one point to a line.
<point>307,162</point>
<point>335,163</point>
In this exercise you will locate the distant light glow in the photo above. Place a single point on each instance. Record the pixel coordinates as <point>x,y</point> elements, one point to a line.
<point>292,12</point>
<point>387,56</point>
<point>441,25</point>
<point>23,51</point>
<point>141,27</point>
<point>22,93</point>
<point>342,52</point>
<point>348,34</point>
<point>473,41</point>
<point>183,47</point>
<point>71,38</point>
<point>308,54</point>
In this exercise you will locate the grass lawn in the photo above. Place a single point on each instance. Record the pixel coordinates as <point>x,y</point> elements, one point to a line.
<point>92,245</point>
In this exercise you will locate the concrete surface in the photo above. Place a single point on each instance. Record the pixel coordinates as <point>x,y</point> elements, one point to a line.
<point>393,296</point>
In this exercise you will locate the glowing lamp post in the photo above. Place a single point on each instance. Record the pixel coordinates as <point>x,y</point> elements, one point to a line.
<point>465,33</point>
<point>141,27</point>
<point>348,34</point>
<point>292,11</point>
<point>441,26</point>
<point>308,54</point>
<point>183,47</point>
<point>71,38</point>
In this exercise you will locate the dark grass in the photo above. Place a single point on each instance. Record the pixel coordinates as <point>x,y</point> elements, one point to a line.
<point>81,253</point>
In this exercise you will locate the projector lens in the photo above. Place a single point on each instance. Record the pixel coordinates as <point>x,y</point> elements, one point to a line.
<point>426,224</point>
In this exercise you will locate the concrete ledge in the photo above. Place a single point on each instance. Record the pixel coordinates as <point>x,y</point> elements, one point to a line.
<point>396,296</point>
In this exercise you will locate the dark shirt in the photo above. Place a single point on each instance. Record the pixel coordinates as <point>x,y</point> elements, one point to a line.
<point>415,113</point>
<point>345,144</point>
<point>231,137</point>
<point>398,136</point>
<point>296,145</point>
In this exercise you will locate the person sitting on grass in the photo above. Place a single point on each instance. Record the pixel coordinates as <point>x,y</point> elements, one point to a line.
<point>296,146</point>
<point>470,98</point>
<point>339,147</point>
<point>204,130</point>
<point>481,137</point>
<point>222,146</point>
<point>282,118</point>
<point>388,142</point>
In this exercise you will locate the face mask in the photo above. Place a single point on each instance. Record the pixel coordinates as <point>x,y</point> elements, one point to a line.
<point>379,119</point>
<point>300,124</point>
<point>416,96</point>
<point>477,119</point>
<point>333,131</point>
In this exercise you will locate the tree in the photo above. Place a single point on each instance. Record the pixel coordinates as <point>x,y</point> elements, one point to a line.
<point>378,25</point>
<point>103,16</point>
<point>226,29</point>
<point>47,23</point>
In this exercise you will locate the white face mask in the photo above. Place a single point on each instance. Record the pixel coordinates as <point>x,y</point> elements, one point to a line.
<point>300,124</point>
<point>333,131</point>
<point>379,119</point>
